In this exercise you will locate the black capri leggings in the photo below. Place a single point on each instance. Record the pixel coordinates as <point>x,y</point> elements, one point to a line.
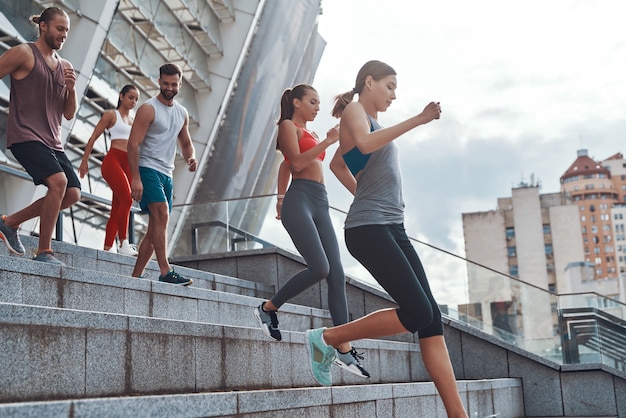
<point>386,252</point>
<point>305,216</point>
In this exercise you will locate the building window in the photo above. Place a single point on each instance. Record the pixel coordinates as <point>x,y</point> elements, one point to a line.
<point>593,218</point>
<point>582,208</point>
<point>549,252</point>
<point>598,261</point>
<point>513,270</point>
<point>511,251</point>
<point>584,229</point>
<point>583,218</point>
<point>596,250</point>
<point>594,229</point>
<point>510,233</point>
<point>546,229</point>
<point>586,250</point>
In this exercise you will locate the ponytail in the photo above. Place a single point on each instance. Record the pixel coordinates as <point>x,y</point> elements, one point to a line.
<point>286,106</point>
<point>341,101</point>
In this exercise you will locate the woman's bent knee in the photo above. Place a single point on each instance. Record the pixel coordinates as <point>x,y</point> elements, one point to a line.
<point>415,320</point>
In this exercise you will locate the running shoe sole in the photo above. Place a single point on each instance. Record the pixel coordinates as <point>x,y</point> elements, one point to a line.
<point>350,368</point>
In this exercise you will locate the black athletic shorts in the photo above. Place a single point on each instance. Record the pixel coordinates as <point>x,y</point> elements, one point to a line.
<point>41,162</point>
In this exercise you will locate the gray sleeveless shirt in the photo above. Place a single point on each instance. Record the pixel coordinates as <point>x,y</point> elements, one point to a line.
<point>378,198</point>
<point>158,149</point>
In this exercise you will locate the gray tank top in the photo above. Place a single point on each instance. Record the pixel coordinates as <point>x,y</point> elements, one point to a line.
<point>158,149</point>
<point>378,198</point>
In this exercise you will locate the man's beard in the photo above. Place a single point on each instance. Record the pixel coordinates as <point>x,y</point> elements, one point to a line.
<point>168,96</point>
<point>51,42</point>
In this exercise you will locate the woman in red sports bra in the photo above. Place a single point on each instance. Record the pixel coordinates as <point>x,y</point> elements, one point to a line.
<point>304,212</point>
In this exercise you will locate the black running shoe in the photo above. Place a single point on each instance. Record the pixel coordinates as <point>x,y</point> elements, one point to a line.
<point>268,321</point>
<point>175,278</point>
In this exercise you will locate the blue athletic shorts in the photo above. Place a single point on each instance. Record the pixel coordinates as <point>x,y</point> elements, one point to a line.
<point>157,187</point>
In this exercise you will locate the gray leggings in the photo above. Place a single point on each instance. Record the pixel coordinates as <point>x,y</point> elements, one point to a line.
<point>305,217</point>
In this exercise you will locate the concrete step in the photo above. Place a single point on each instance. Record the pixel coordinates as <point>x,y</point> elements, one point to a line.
<point>498,397</point>
<point>34,283</point>
<point>106,262</point>
<point>54,353</point>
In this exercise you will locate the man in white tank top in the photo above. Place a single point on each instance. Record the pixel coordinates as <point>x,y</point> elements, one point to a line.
<point>160,123</point>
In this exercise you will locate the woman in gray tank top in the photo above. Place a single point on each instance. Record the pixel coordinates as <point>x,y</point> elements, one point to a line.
<point>367,164</point>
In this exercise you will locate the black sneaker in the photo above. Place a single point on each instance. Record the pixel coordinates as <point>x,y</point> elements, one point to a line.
<point>268,321</point>
<point>350,362</point>
<point>175,278</point>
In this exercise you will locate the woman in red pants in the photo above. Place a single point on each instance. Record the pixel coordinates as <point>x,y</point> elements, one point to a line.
<point>115,169</point>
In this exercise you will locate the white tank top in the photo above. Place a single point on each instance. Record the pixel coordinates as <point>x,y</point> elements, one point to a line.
<point>120,130</point>
<point>158,149</point>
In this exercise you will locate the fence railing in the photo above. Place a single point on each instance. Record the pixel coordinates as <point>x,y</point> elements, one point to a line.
<point>503,306</point>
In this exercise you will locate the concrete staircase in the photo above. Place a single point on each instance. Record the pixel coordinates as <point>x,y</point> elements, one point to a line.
<point>88,340</point>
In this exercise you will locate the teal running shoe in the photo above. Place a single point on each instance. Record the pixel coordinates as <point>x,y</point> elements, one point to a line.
<point>321,356</point>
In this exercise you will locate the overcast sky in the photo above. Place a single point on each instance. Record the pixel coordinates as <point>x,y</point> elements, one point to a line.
<point>522,85</point>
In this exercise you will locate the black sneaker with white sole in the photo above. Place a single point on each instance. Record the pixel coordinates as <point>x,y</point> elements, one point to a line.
<point>268,321</point>
<point>350,362</point>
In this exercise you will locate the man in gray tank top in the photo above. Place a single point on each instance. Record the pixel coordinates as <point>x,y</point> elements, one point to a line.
<point>42,93</point>
<point>160,123</point>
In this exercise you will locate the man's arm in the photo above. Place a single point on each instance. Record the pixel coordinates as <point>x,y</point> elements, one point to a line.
<point>186,145</point>
<point>71,101</point>
<point>143,120</point>
<point>15,61</point>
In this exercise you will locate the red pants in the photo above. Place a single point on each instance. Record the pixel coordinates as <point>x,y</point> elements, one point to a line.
<point>116,172</point>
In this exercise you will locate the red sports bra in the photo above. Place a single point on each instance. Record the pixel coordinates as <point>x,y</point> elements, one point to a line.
<point>306,142</point>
